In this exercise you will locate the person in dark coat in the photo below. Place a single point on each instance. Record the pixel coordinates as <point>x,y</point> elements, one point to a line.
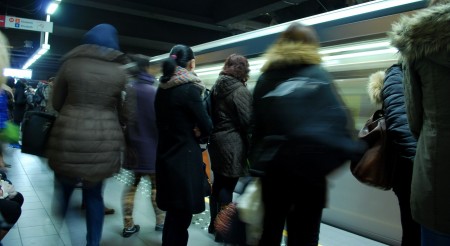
<point>142,140</point>
<point>86,142</point>
<point>386,88</point>
<point>231,111</point>
<point>20,101</point>
<point>423,41</point>
<point>181,119</point>
<point>297,140</point>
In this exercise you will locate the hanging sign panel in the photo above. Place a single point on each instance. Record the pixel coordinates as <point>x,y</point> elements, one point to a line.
<point>25,24</point>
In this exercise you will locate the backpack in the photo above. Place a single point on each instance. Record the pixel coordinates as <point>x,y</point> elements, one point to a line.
<point>207,101</point>
<point>306,121</point>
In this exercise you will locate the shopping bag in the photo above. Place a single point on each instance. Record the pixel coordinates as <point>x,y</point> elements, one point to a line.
<point>10,134</point>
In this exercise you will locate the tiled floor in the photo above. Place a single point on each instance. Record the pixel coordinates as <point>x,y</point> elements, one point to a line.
<point>38,224</point>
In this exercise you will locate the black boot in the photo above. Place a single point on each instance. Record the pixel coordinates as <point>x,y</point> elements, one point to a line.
<point>213,207</point>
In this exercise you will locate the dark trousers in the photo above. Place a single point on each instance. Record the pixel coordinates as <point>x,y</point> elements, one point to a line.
<point>223,187</point>
<point>296,201</point>
<point>402,189</point>
<point>175,232</point>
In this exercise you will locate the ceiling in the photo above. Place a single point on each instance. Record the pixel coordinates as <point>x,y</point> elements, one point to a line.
<point>148,27</point>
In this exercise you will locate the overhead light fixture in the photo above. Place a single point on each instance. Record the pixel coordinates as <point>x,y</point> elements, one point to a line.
<point>53,6</point>
<point>41,51</point>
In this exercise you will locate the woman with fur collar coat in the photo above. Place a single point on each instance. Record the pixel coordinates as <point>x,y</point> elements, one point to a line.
<point>386,88</point>
<point>302,138</point>
<point>423,40</point>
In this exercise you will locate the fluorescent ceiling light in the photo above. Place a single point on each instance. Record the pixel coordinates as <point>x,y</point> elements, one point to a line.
<point>41,51</point>
<point>53,6</point>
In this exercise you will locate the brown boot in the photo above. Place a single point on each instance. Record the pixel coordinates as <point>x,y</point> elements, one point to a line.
<point>109,211</point>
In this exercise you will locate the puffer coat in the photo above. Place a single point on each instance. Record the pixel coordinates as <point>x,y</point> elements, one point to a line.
<point>231,110</point>
<point>86,140</point>
<point>386,88</point>
<point>423,40</point>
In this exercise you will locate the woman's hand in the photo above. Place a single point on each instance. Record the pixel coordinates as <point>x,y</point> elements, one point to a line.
<point>197,132</point>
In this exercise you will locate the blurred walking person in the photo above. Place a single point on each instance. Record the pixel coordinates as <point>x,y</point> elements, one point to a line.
<point>302,132</point>
<point>142,140</point>
<point>86,141</point>
<point>182,120</point>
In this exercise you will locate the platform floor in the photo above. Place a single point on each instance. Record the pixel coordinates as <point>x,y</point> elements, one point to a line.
<point>39,226</point>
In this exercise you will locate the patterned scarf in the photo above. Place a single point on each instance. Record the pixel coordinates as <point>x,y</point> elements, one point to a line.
<point>183,76</point>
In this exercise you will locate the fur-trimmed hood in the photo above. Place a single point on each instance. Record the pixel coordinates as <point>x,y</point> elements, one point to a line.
<point>424,33</point>
<point>375,87</point>
<point>285,54</point>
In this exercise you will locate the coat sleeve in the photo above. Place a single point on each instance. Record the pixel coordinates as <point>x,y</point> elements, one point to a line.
<point>59,92</point>
<point>413,99</point>
<point>395,113</point>
<point>196,106</point>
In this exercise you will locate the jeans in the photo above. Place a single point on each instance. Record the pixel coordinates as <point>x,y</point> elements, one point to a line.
<point>434,238</point>
<point>92,195</point>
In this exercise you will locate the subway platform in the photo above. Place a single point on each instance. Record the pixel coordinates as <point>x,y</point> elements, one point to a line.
<point>38,224</point>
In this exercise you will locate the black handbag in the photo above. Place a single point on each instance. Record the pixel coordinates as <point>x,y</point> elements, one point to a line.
<point>377,165</point>
<point>36,128</point>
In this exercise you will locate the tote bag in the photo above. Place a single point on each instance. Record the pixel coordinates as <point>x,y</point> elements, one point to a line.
<point>36,128</point>
<point>376,167</point>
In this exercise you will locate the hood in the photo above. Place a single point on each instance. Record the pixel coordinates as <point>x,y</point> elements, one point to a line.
<point>424,33</point>
<point>146,78</point>
<point>375,87</point>
<point>225,85</point>
<point>102,35</point>
<point>96,52</point>
<point>183,76</point>
<point>285,54</point>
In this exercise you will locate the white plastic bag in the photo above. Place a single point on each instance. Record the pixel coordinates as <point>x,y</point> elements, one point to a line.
<point>251,210</point>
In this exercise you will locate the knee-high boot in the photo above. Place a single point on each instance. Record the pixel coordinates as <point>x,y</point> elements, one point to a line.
<point>213,209</point>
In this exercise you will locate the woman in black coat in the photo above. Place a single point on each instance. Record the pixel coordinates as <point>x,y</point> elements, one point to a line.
<point>181,119</point>
<point>20,101</point>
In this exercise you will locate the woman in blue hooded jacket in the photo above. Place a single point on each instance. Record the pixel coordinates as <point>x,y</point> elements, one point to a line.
<point>86,141</point>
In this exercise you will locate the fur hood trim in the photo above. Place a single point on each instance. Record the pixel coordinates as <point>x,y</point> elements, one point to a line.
<point>375,87</point>
<point>424,33</point>
<point>285,54</point>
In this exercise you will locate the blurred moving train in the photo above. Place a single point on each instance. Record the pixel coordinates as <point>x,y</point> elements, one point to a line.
<point>354,45</point>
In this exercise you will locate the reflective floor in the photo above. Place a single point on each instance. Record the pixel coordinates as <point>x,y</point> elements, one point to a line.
<point>38,224</point>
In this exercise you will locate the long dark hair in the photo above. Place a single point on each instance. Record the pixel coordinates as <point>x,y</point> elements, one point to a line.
<point>180,55</point>
<point>236,66</point>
